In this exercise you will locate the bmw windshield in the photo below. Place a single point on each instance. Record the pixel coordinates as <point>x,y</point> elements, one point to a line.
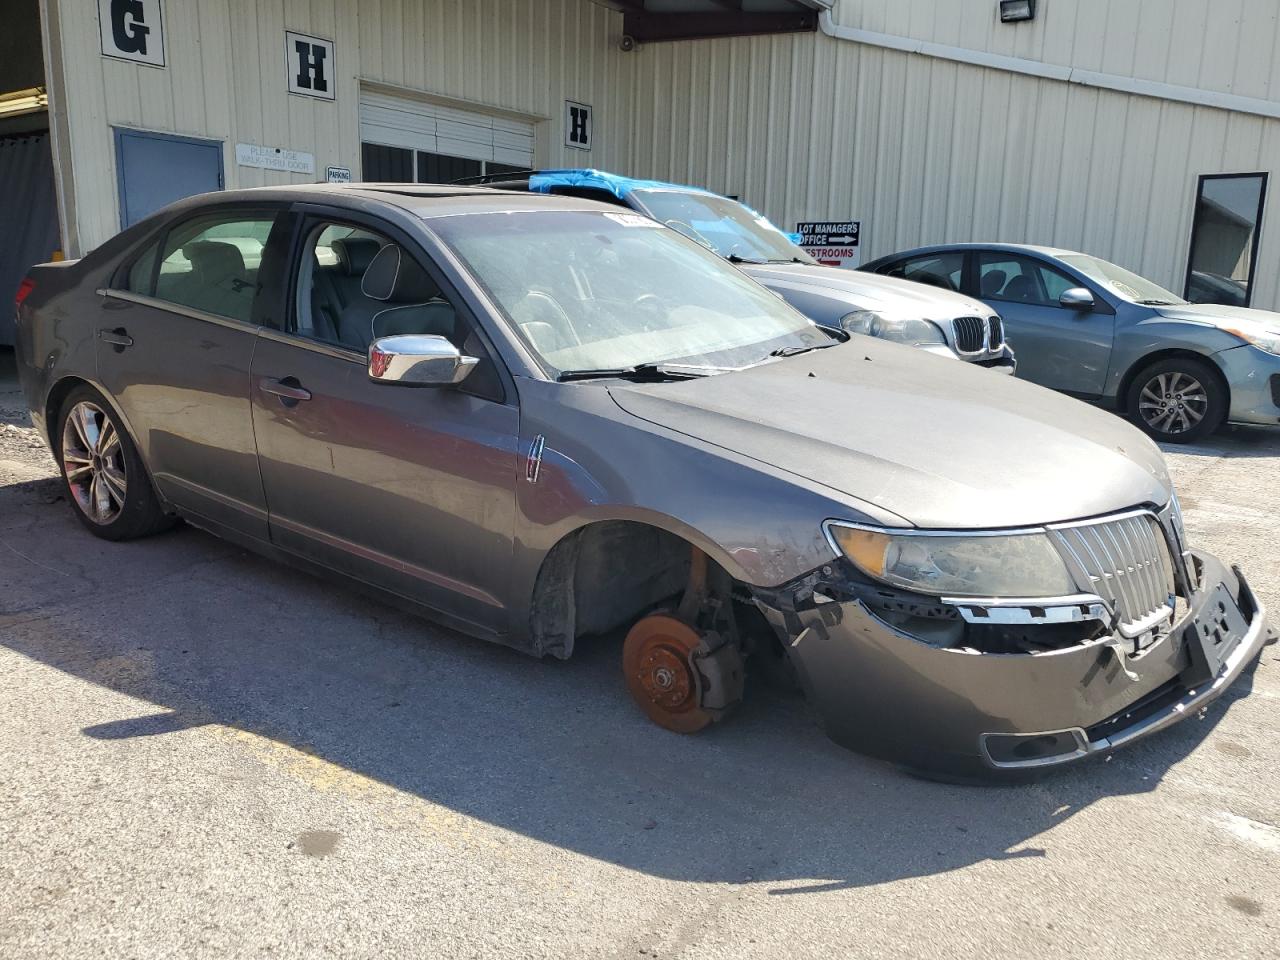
<point>726,226</point>
<point>610,291</point>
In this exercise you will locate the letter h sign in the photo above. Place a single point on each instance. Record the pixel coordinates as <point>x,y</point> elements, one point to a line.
<point>577,125</point>
<point>309,64</point>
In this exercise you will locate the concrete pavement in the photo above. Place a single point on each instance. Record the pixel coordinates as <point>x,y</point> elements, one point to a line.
<point>206,754</point>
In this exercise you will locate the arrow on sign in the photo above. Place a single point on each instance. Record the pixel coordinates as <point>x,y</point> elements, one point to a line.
<point>845,238</point>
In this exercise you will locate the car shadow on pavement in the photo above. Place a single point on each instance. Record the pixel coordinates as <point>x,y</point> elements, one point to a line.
<point>555,751</point>
<point>1231,441</point>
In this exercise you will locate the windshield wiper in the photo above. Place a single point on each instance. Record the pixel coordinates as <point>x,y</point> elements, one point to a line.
<point>796,351</point>
<point>642,372</point>
<point>734,258</point>
<point>1157,303</point>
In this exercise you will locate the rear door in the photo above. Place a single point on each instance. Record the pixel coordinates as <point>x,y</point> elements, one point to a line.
<point>175,335</point>
<point>1068,350</point>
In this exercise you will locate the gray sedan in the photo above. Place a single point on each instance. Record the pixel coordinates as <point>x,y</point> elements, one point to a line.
<point>552,423</point>
<point>1101,333</point>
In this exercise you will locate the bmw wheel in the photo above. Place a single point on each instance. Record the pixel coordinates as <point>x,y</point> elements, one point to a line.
<point>1179,400</point>
<point>107,483</point>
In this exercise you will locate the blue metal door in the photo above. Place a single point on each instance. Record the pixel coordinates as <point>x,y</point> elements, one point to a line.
<point>154,169</point>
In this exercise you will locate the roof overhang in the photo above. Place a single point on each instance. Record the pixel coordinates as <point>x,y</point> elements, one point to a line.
<point>652,21</point>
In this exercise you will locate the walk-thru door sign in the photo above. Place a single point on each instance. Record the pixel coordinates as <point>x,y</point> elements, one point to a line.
<point>834,243</point>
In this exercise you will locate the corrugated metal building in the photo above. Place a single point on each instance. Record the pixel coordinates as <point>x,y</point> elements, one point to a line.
<point>1088,126</point>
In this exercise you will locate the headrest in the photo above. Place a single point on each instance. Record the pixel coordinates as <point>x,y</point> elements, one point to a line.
<point>355,254</point>
<point>394,278</point>
<point>993,282</point>
<point>214,257</point>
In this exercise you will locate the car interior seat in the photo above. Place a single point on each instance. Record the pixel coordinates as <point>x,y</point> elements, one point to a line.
<point>334,288</point>
<point>993,283</point>
<point>218,282</point>
<point>1020,287</point>
<point>398,297</point>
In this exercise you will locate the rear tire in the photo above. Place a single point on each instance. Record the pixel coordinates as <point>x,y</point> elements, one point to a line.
<point>1178,400</point>
<point>106,481</point>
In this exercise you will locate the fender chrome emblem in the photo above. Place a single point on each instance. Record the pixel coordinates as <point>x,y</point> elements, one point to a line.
<point>533,461</point>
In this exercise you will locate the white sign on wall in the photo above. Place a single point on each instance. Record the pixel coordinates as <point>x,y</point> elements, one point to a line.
<point>275,158</point>
<point>577,125</point>
<point>309,65</point>
<point>132,30</point>
<point>337,174</point>
<point>834,243</point>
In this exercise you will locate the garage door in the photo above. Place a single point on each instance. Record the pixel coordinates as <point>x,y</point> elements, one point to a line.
<point>408,140</point>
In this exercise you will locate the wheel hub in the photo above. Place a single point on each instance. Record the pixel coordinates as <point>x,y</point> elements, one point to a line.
<point>658,666</point>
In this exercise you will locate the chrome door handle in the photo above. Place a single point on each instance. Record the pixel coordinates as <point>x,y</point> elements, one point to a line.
<point>287,389</point>
<point>118,338</point>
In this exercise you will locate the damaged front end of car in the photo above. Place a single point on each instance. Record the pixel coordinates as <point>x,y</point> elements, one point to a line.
<point>987,653</point>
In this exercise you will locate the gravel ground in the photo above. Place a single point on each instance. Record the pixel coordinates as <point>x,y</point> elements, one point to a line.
<point>206,754</point>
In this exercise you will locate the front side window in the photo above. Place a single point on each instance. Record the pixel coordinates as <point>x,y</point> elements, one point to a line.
<point>356,285</point>
<point>944,270</point>
<point>1224,239</point>
<point>1002,276</point>
<point>726,226</point>
<point>209,263</point>
<point>591,291</point>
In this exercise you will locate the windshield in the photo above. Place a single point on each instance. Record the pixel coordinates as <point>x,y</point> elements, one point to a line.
<point>593,290</point>
<point>1120,281</point>
<point>726,226</point>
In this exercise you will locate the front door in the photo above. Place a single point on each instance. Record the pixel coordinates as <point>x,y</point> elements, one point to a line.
<point>411,489</point>
<point>155,169</point>
<point>175,337</point>
<point>1068,350</point>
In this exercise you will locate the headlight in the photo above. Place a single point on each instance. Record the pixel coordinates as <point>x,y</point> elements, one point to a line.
<point>915,332</point>
<point>1003,565</point>
<point>1268,340</point>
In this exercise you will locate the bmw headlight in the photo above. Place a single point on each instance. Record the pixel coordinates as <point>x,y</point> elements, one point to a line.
<point>1023,565</point>
<point>1263,339</point>
<point>917,333</point>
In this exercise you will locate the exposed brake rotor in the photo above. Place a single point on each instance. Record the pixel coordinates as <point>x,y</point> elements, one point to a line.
<point>657,659</point>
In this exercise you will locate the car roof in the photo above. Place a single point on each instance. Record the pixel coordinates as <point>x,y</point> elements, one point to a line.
<point>421,199</point>
<point>1005,247</point>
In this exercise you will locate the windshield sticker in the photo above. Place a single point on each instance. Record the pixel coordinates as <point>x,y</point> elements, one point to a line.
<point>632,220</point>
<point>1125,290</point>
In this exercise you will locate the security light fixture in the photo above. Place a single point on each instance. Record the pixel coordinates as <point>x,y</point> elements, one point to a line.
<point>15,104</point>
<point>1014,11</point>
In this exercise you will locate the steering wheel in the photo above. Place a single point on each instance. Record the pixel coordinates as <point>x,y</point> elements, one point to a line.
<point>652,310</point>
<point>549,311</point>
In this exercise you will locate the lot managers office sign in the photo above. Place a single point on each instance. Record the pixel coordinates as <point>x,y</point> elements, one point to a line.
<point>834,243</point>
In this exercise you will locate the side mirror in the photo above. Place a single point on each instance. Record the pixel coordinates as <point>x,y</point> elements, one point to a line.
<point>1077,298</point>
<point>418,360</point>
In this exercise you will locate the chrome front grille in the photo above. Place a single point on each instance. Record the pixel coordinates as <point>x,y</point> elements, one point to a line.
<point>1127,562</point>
<point>995,333</point>
<point>970,333</point>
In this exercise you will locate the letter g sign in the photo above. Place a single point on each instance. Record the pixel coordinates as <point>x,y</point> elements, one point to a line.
<point>132,30</point>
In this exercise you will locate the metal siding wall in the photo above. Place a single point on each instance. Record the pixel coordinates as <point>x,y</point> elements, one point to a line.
<point>225,79</point>
<point>929,151</point>
<point>1173,41</point>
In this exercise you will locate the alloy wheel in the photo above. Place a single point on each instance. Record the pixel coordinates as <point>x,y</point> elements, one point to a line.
<point>93,462</point>
<point>1173,402</point>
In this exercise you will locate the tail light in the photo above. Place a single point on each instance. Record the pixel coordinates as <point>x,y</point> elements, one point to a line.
<point>24,291</point>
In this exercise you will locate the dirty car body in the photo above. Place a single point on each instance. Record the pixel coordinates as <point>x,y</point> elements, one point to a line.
<point>967,574</point>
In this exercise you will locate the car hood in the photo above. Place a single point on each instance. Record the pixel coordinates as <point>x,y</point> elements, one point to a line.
<point>943,445</point>
<point>1240,318</point>
<point>888,295</point>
